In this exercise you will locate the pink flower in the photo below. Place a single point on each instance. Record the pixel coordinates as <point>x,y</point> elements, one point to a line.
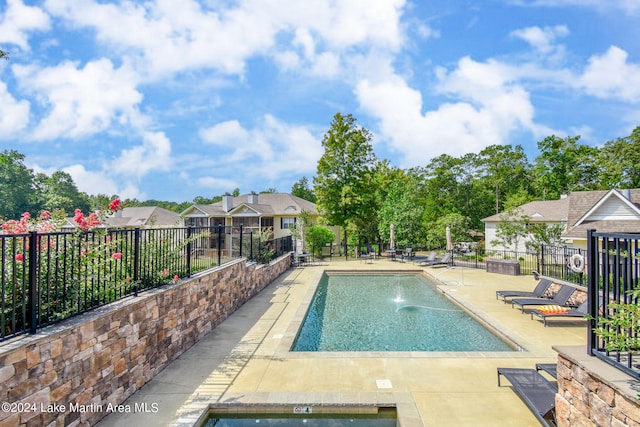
<point>165,272</point>
<point>20,257</point>
<point>26,215</point>
<point>114,205</point>
<point>117,255</point>
<point>176,278</point>
<point>45,215</point>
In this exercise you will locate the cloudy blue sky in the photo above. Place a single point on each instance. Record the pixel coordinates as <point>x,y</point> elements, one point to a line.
<point>172,99</point>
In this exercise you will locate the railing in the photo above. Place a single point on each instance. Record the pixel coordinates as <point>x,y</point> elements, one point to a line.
<point>614,271</point>
<point>551,261</point>
<point>48,277</point>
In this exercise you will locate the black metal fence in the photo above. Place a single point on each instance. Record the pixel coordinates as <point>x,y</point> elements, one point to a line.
<point>559,262</point>
<point>614,275</point>
<point>48,277</point>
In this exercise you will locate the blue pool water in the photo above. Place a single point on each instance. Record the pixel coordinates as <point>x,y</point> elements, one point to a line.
<point>389,312</point>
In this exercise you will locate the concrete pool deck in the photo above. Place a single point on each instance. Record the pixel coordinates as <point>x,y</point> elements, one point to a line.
<point>245,361</point>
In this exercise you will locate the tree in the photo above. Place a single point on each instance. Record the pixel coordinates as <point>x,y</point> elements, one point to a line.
<point>59,192</point>
<point>544,234</point>
<point>620,161</point>
<point>458,226</point>
<point>504,169</point>
<point>316,237</point>
<point>4,54</point>
<point>18,185</point>
<point>301,189</point>
<point>564,166</point>
<point>513,226</point>
<point>402,206</point>
<point>343,182</point>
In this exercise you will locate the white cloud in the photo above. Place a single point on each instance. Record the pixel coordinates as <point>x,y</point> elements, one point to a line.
<point>487,108</point>
<point>91,182</point>
<point>542,39</point>
<point>80,101</point>
<point>271,149</point>
<point>18,20</point>
<point>14,114</point>
<point>216,183</point>
<point>225,134</point>
<point>153,154</point>
<point>611,76</point>
<point>169,37</point>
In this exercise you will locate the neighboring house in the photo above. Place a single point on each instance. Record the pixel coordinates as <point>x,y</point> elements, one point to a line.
<point>279,212</point>
<point>136,216</point>
<point>550,212</point>
<point>613,211</point>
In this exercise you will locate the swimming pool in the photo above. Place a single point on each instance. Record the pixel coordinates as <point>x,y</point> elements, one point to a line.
<point>389,312</point>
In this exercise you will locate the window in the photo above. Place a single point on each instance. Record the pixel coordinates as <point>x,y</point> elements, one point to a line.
<point>288,223</point>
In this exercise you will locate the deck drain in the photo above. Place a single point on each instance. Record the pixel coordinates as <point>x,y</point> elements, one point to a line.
<point>384,383</point>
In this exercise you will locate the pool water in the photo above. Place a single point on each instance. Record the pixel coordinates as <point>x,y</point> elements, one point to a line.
<point>389,312</point>
<point>306,421</point>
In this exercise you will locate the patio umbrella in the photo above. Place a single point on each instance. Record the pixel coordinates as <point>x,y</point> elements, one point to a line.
<point>392,237</point>
<point>449,243</point>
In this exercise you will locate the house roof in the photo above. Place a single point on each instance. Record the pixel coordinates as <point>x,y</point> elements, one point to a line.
<point>269,204</point>
<point>608,211</point>
<point>137,216</point>
<point>541,211</point>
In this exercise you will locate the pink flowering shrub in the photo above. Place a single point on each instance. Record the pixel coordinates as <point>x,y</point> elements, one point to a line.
<point>90,266</point>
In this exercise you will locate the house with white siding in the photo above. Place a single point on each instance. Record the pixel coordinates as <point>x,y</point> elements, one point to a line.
<point>615,211</point>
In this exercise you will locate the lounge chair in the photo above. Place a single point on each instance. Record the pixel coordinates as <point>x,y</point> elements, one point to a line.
<point>560,298</point>
<point>549,368</point>
<point>444,260</point>
<point>579,312</point>
<point>537,392</point>
<point>429,258</point>
<point>538,291</point>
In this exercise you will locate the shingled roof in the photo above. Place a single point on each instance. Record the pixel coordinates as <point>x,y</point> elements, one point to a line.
<point>608,211</point>
<point>269,204</point>
<point>541,211</point>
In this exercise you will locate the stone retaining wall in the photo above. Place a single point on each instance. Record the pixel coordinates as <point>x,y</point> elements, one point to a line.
<point>593,393</point>
<point>75,372</point>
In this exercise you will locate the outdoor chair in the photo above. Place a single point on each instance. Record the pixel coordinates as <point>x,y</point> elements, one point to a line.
<point>560,298</point>
<point>429,258</point>
<point>407,254</point>
<point>537,392</point>
<point>549,368</point>
<point>579,312</point>
<point>443,261</point>
<point>538,292</point>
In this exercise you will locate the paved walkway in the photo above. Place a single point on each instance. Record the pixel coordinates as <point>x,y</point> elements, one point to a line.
<point>245,361</point>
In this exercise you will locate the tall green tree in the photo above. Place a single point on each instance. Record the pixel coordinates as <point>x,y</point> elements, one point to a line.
<point>4,54</point>
<point>403,207</point>
<point>620,162</point>
<point>17,191</point>
<point>563,166</point>
<point>59,192</point>
<point>504,169</point>
<point>303,190</point>
<point>344,174</point>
